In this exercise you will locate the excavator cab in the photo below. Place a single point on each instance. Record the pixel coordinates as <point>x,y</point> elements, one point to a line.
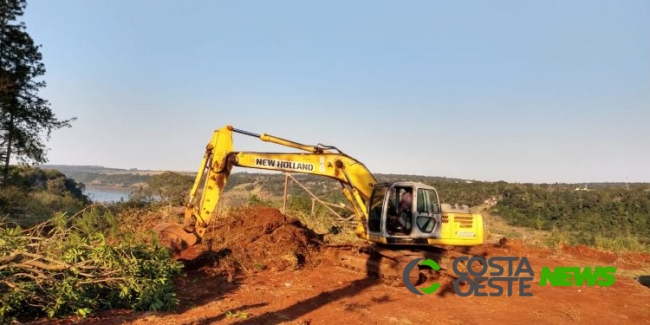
<point>393,218</point>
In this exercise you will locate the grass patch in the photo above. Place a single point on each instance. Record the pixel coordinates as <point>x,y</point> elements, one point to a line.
<point>496,228</point>
<point>625,244</point>
<point>628,243</point>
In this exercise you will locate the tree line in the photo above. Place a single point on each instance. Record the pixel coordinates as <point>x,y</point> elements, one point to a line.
<point>605,211</point>
<point>124,180</point>
<point>610,210</point>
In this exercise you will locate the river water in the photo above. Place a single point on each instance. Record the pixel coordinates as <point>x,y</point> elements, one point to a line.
<point>107,195</point>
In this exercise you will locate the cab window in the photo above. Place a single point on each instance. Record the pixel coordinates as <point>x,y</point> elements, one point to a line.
<point>376,206</point>
<point>427,202</point>
<point>427,206</point>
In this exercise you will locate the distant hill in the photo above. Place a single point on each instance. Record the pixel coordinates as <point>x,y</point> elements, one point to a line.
<point>103,170</point>
<point>106,176</point>
<point>120,177</point>
<point>80,168</point>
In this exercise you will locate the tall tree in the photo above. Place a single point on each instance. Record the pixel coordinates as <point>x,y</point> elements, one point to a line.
<point>25,118</point>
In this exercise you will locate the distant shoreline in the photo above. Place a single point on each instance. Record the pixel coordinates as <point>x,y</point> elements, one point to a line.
<point>111,188</point>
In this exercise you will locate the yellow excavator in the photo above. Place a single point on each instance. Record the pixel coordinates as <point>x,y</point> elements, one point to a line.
<point>385,219</point>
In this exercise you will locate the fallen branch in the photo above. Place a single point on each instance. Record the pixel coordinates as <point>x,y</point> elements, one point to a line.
<point>67,265</point>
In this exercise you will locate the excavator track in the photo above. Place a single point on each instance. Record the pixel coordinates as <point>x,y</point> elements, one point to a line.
<point>387,264</point>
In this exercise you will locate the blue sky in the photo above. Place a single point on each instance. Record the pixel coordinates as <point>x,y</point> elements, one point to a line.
<point>521,91</point>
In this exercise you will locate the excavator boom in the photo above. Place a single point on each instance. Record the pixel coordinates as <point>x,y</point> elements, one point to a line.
<point>220,157</point>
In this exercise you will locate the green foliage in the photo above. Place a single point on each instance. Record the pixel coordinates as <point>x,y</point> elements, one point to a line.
<point>139,198</point>
<point>172,188</point>
<point>81,265</point>
<point>49,180</point>
<point>33,194</point>
<point>122,179</point>
<point>299,203</point>
<point>255,200</point>
<point>623,243</point>
<point>593,217</point>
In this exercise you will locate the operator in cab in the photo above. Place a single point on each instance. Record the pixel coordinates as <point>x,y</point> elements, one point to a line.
<point>401,222</point>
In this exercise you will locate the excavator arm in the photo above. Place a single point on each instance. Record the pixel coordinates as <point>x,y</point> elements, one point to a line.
<point>356,180</point>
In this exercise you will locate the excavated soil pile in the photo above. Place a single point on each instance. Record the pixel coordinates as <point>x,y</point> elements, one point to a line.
<point>256,239</point>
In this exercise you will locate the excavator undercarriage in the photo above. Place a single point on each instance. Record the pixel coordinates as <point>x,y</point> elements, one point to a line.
<point>387,264</point>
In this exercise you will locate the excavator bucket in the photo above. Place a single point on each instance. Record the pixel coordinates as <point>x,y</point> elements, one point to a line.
<point>174,237</point>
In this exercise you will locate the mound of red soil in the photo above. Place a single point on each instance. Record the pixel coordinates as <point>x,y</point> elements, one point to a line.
<point>256,239</point>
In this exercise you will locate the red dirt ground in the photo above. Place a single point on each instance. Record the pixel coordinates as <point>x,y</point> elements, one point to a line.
<point>269,274</point>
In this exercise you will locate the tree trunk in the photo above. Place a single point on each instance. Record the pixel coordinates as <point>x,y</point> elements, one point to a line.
<point>9,138</point>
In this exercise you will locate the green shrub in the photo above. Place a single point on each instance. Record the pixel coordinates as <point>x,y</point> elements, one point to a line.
<point>32,195</point>
<point>81,265</point>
